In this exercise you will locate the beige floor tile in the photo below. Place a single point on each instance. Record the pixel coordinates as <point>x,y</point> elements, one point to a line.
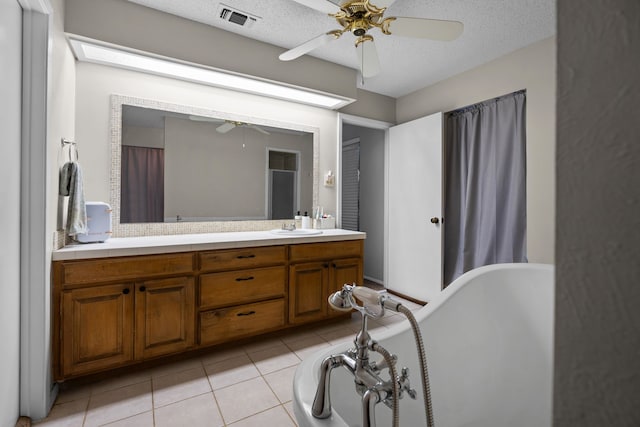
<point>245,399</point>
<point>289,408</point>
<point>274,358</point>
<point>195,411</point>
<point>174,367</point>
<point>141,420</point>
<point>220,355</point>
<point>308,346</point>
<point>231,371</point>
<point>69,414</point>
<point>277,416</point>
<point>281,382</point>
<point>298,335</point>
<point>69,393</point>
<point>331,326</point>
<point>337,336</point>
<point>121,381</point>
<point>118,404</point>
<point>179,386</point>
<point>262,344</point>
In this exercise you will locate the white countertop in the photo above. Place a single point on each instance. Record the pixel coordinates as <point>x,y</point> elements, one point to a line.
<point>148,245</point>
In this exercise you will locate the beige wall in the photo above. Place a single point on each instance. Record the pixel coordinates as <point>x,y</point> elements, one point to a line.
<point>531,68</point>
<point>597,328</point>
<point>95,84</point>
<point>143,136</point>
<point>208,174</point>
<point>132,25</point>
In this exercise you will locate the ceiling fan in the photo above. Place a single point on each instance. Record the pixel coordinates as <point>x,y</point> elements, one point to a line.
<point>360,16</point>
<point>227,125</point>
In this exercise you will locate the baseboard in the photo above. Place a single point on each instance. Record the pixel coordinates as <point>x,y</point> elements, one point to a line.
<point>23,422</point>
<point>371,279</point>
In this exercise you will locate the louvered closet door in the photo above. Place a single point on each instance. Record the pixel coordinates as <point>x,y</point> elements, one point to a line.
<point>351,186</point>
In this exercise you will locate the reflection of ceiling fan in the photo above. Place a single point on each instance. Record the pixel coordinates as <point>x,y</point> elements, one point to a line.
<point>359,16</point>
<point>227,125</point>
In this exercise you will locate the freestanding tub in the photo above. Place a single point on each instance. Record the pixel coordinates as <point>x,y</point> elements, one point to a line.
<point>489,343</point>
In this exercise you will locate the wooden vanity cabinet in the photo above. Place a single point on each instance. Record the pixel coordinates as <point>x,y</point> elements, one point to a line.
<point>316,270</point>
<point>113,312</point>
<point>242,293</point>
<point>165,313</point>
<point>97,330</point>
<point>112,315</point>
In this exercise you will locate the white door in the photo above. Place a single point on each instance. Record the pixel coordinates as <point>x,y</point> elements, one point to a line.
<point>10,123</point>
<point>415,198</point>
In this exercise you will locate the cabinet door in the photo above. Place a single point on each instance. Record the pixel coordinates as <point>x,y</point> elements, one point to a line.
<point>165,319</point>
<point>347,271</point>
<point>343,271</point>
<point>97,328</point>
<point>308,291</point>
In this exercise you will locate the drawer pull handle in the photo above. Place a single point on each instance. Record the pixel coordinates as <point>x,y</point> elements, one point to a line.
<point>244,279</point>
<point>248,313</point>
<point>245,256</point>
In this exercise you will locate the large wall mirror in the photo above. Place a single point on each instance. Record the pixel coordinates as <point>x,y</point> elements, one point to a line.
<point>181,169</point>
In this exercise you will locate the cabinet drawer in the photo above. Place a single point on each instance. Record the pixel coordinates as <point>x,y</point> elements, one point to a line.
<point>329,250</point>
<point>242,258</point>
<point>126,268</point>
<point>240,321</point>
<point>237,287</point>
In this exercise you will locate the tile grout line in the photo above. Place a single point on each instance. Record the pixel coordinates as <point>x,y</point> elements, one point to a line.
<point>289,345</point>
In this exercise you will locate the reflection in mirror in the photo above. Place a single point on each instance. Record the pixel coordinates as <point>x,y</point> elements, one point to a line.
<point>182,167</point>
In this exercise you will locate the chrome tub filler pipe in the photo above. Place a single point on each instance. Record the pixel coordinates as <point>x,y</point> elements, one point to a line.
<point>367,375</point>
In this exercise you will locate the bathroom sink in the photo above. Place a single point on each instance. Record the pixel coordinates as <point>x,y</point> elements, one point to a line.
<point>296,232</point>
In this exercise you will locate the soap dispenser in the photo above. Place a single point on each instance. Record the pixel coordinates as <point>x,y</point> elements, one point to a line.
<point>306,221</point>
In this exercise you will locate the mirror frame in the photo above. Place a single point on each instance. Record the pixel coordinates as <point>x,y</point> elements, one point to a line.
<point>160,229</point>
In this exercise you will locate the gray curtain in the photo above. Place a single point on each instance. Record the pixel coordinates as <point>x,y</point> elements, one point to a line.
<point>485,219</point>
<point>142,189</point>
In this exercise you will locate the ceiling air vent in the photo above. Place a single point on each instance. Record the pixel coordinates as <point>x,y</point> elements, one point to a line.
<point>236,16</point>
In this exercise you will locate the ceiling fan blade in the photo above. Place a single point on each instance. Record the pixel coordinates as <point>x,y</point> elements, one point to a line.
<point>225,127</point>
<point>382,3</point>
<point>259,129</point>
<point>434,29</point>
<point>368,59</point>
<point>323,6</point>
<point>307,47</point>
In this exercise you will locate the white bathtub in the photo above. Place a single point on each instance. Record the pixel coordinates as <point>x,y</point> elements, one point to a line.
<point>489,343</point>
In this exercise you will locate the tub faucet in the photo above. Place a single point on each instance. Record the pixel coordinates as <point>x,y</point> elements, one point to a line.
<point>368,382</point>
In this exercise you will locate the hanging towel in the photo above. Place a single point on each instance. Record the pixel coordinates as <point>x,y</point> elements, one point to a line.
<point>71,185</point>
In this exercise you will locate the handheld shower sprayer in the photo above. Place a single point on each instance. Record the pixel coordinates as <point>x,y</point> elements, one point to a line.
<point>373,303</point>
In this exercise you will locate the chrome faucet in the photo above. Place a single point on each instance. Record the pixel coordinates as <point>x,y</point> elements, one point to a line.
<point>368,381</point>
<point>289,227</point>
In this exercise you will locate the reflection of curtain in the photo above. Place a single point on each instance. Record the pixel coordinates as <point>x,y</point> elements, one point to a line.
<point>142,188</point>
<point>485,202</point>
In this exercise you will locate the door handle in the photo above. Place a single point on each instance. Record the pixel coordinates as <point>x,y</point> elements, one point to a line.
<point>435,220</point>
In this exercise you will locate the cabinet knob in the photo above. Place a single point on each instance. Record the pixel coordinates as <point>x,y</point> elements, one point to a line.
<point>143,288</point>
<point>125,291</point>
<point>435,220</point>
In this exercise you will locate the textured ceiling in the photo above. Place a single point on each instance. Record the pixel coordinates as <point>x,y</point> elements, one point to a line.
<point>492,28</point>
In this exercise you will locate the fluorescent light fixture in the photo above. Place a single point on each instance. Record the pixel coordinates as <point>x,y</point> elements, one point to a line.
<point>116,56</point>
